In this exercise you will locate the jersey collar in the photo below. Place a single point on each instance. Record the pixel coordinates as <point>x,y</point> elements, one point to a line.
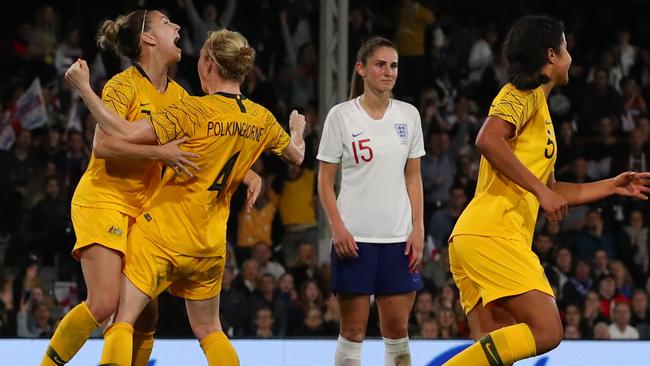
<point>144,74</point>
<point>230,95</point>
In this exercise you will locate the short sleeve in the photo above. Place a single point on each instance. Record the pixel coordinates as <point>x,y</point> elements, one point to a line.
<point>179,119</point>
<point>515,106</point>
<point>118,95</point>
<point>330,149</point>
<point>277,139</point>
<point>417,143</point>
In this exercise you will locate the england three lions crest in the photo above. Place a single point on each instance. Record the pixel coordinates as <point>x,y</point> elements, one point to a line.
<point>402,131</point>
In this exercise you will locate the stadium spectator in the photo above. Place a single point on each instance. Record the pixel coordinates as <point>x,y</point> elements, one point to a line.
<point>297,211</point>
<point>262,254</point>
<point>640,310</point>
<point>620,327</point>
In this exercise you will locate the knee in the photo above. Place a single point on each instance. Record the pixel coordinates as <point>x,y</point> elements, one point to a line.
<point>396,331</point>
<point>354,332</point>
<point>548,336</point>
<point>202,330</point>
<point>102,307</point>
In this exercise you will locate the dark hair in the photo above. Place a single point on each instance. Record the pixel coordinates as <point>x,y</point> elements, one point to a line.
<point>526,46</point>
<point>122,35</point>
<point>365,51</point>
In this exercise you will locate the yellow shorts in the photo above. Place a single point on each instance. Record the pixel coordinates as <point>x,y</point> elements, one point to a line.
<point>102,226</point>
<point>153,268</point>
<point>487,268</point>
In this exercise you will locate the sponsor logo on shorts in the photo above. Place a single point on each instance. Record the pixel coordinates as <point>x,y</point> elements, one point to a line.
<point>115,230</point>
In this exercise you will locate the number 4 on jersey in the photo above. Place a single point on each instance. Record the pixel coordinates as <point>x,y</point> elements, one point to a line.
<point>222,178</point>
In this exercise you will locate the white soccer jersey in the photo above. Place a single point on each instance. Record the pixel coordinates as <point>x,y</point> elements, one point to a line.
<point>373,200</point>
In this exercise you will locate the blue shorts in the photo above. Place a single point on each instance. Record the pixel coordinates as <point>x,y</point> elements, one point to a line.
<point>380,269</point>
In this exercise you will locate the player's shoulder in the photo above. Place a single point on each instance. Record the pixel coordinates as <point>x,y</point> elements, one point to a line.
<point>125,81</point>
<point>129,75</point>
<point>256,110</point>
<point>404,107</point>
<point>510,93</point>
<point>342,110</point>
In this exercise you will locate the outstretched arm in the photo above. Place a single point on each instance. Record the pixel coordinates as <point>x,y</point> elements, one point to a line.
<point>628,184</point>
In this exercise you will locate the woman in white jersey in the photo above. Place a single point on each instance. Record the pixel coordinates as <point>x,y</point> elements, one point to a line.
<point>377,225</point>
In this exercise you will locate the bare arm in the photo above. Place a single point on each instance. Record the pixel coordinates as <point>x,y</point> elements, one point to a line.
<point>628,184</point>
<point>492,142</point>
<point>342,240</point>
<point>415,241</point>
<point>326,177</point>
<point>109,147</point>
<point>295,151</point>
<point>137,132</point>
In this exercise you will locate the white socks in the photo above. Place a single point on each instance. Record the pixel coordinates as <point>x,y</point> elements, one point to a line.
<point>397,352</point>
<point>348,353</point>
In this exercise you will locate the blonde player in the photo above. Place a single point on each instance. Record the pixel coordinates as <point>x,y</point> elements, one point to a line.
<point>508,301</point>
<point>179,242</point>
<point>112,191</point>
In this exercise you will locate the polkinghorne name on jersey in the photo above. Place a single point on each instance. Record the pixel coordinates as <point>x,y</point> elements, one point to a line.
<point>234,128</point>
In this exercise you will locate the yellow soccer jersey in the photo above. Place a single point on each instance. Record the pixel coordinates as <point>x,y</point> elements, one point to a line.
<point>123,184</point>
<point>228,132</point>
<point>501,208</point>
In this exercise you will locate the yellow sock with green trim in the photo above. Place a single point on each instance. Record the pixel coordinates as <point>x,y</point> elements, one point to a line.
<point>501,347</point>
<point>71,334</point>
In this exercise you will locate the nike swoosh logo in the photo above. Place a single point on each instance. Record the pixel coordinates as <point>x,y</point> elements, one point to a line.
<point>549,122</point>
<point>357,134</point>
<point>144,104</point>
<point>491,351</point>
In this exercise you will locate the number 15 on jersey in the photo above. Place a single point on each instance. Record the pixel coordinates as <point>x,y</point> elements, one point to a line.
<point>361,149</point>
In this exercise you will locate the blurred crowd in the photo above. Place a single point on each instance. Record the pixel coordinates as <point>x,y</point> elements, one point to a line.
<point>275,284</point>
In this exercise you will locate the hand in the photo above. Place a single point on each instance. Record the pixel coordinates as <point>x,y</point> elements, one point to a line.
<point>415,249</point>
<point>297,123</point>
<point>555,206</point>
<point>254,183</point>
<point>632,184</point>
<point>344,244</point>
<point>176,158</point>
<point>78,75</point>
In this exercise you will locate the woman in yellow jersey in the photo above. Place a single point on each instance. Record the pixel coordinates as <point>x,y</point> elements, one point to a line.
<point>179,242</point>
<point>112,191</point>
<point>509,303</point>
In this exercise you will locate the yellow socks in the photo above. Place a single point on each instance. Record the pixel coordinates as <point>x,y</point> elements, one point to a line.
<point>218,350</point>
<point>501,347</point>
<point>118,345</point>
<point>71,334</point>
<point>142,347</point>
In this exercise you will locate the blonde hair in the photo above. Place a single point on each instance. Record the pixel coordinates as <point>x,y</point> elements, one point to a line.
<point>122,35</point>
<point>231,52</point>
